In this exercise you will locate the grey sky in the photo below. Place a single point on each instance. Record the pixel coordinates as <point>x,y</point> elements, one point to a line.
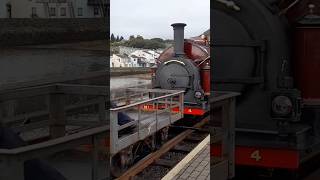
<point>152,18</point>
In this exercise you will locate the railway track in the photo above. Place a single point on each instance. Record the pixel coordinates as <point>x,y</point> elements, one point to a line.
<point>158,163</point>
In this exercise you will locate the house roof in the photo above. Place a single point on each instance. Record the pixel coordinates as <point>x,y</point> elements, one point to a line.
<point>134,56</point>
<point>122,56</point>
<point>146,52</point>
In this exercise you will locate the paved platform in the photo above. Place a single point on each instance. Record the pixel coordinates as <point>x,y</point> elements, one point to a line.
<point>196,165</point>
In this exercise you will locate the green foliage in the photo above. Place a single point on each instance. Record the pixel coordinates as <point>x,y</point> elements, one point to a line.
<point>112,38</point>
<point>131,37</point>
<point>158,40</point>
<point>140,42</point>
<point>139,37</point>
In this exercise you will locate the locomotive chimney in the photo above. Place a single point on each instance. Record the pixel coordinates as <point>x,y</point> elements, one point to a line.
<point>178,29</point>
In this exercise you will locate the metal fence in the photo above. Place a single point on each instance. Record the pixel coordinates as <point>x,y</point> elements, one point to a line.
<point>149,109</point>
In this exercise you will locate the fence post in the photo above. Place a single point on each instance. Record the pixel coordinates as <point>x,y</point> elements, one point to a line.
<point>57,115</point>
<point>114,131</point>
<point>95,163</point>
<point>102,110</point>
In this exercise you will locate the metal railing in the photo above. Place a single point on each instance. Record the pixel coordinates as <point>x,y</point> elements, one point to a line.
<point>93,132</point>
<point>149,109</point>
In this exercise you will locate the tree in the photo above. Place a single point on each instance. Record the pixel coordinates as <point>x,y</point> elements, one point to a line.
<point>139,37</point>
<point>139,42</point>
<point>131,38</point>
<point>121,38</point>
<point>158,40</point>
<point>118,39</point>
<point>112,38</point>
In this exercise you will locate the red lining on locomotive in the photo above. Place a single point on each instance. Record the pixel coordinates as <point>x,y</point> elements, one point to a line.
<point>262,157</point>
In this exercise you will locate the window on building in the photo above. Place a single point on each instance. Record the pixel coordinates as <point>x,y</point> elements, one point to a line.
<point>63,11</point>
<point>52,11</point>
<point>80,12</point>
<point>96,11</point>
<point>34,12</point>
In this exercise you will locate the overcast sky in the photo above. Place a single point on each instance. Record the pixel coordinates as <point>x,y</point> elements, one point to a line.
<point>152,18</point>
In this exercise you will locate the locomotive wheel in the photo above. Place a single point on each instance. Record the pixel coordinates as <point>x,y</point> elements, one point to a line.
<point>150,143</point>
<point>122,161</point>
<point>164,133</point>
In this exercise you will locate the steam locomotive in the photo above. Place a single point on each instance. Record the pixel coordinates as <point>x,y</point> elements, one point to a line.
<point>268,51</point>
<point>186,66</point>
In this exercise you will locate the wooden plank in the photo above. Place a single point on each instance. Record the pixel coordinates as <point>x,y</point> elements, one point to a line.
<point>225,134</point>
<point>51,143</point>
<point>45,112</point>
<point>82,89</point>
<point>53,80</point>
<point>53,88</point>
<point>26,92</point>
<point>219,96</point>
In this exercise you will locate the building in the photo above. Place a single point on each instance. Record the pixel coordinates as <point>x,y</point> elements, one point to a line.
<point>140,52</point>
<point>134,60</point>
<point>143,53</point>
<point>127,50</point>
<point>53,8</point>
<point>117,60</point>
<point>148,56</point>
<point>142,62</point>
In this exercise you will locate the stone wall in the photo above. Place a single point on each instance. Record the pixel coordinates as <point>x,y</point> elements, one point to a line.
<point>46,31</point>
<point>123,71</point>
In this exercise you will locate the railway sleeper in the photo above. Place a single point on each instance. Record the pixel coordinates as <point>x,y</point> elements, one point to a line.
<point>181,148</point>
<point>165,163</point>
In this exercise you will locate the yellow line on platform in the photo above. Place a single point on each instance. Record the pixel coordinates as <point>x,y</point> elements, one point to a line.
<point>171,174</point>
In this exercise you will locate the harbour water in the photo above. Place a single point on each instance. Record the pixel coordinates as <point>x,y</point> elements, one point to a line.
<point>127,81</point>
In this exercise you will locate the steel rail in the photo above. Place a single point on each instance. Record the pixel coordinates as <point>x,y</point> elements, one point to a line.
<point>151,158</point>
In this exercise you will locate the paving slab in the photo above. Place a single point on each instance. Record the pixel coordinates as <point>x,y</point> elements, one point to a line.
<point>196,165</point>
